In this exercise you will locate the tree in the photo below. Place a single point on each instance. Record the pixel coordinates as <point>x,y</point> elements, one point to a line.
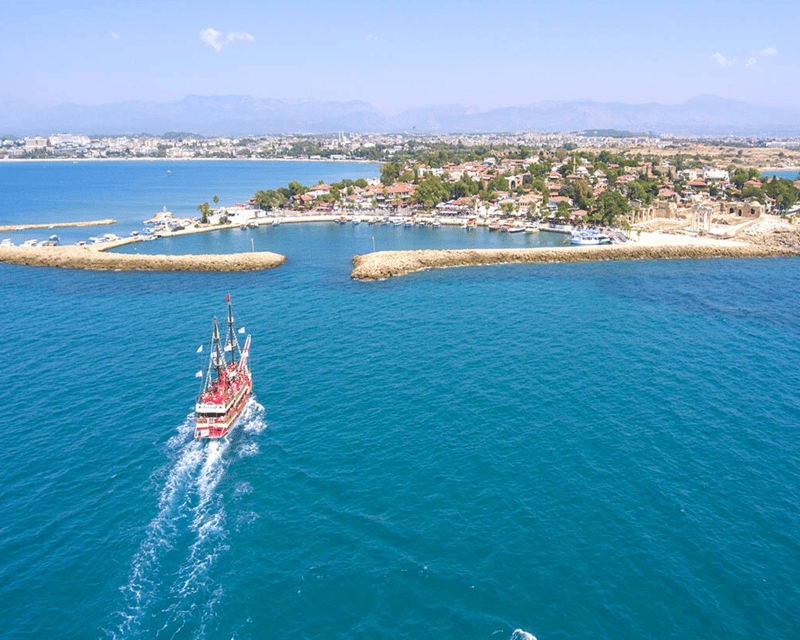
<point>739,177</point>
<point>562,211</point>
<point>498,183</point>
<point>216,199</point>
<point>783,191</point>
<point>297,189</point>
<point>361,183</point>
<point>267,200</point>
<point>610,205</point>
<point>580,193</point>
<point>431,191</point>
<point>389,173</point>
<point>203,209</point>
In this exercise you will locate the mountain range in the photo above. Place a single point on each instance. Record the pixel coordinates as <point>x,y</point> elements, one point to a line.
<point>242,115</point>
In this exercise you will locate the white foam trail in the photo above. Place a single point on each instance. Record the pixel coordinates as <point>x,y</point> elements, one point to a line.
<point>521,634</point>
<point>190,491</point>
<point>161,532</point>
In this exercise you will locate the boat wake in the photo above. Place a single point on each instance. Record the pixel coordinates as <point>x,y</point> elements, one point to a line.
<point>170,585</point>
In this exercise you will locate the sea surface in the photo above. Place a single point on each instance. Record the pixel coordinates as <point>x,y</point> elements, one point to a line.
<point>602,450</point>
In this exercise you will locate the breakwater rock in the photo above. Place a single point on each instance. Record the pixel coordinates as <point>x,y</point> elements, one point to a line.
<point>54,225</point>
<point>72,257</point>
<point>386,264</point>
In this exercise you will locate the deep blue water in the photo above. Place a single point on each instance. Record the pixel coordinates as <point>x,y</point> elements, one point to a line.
<point>603,450</point>
<point>132,191</point>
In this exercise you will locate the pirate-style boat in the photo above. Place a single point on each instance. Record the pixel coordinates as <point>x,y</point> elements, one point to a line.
<point>227,385</point>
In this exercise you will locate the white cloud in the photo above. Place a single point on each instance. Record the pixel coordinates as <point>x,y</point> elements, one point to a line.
<point>371,37</point>
<point>722,61</point>
<point>114,35</point>
<point>751,62</point>
<point>213,38</point>
<point>769,51</point>
<point>233,36</point>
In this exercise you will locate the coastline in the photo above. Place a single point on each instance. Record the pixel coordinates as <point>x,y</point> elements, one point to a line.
<point>77,160</point>
<point>387,264</point>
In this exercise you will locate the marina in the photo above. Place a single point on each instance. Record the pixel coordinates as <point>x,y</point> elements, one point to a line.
<point>552,447</point>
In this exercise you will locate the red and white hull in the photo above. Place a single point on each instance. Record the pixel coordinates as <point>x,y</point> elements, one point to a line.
<point>222,402</point>
<point>215,421</point>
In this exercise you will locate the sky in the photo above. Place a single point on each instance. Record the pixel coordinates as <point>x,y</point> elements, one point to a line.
<point>398,55</point>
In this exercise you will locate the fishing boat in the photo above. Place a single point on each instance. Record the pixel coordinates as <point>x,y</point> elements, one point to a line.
<point>516,229</point>
<point>227,385</point>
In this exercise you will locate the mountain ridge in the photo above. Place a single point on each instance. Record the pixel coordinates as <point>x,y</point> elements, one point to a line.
<point>246,115</point>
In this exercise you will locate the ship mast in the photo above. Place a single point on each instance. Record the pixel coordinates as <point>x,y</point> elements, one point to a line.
<point>215,347</point>
<point>231,334</point>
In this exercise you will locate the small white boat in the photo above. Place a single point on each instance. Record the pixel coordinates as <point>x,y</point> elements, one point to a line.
<point>588,238</point>
<point>356,220</point>
<point>6,243</point>
<point>532,228</point>
<point>516,229</point>
<point>436,224</point>
<point>29,243</point>
<point>276,222</point>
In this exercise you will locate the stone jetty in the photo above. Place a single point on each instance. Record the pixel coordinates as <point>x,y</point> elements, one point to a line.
<point>76,257</point>
<point>55,225</point>
<point>387,264</point>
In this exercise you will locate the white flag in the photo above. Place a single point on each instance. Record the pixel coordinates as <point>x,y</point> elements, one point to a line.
<point>241,330</point>
<point>199,374</point>
<point>200,349</point>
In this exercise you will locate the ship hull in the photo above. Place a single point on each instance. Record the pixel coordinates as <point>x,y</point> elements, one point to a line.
<point>213,430</point>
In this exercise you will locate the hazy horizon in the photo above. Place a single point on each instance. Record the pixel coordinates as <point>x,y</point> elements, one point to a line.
<point>399,57</point>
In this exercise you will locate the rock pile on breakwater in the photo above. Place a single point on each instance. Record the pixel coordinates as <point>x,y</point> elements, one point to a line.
<point>386,264</point>
<point>53,225</point>
<point>73,257</point>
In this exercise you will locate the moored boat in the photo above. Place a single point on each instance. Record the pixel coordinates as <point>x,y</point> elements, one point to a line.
<point>227,385</point>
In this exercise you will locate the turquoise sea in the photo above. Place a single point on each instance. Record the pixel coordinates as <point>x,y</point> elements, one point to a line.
<point>604,450</point>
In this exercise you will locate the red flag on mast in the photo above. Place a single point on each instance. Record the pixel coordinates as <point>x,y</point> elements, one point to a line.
<point>228,298</point>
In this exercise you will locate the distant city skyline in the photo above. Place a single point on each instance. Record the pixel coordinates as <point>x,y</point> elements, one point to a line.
<point>400,56</point>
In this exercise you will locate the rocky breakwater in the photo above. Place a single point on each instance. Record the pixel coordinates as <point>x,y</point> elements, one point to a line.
<point>74,257</point>
<point>57,225</point>
<point>386,264</point>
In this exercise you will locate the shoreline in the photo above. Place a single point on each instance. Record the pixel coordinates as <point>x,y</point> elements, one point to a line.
<point>382,265</point>
<point>77,160</point>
